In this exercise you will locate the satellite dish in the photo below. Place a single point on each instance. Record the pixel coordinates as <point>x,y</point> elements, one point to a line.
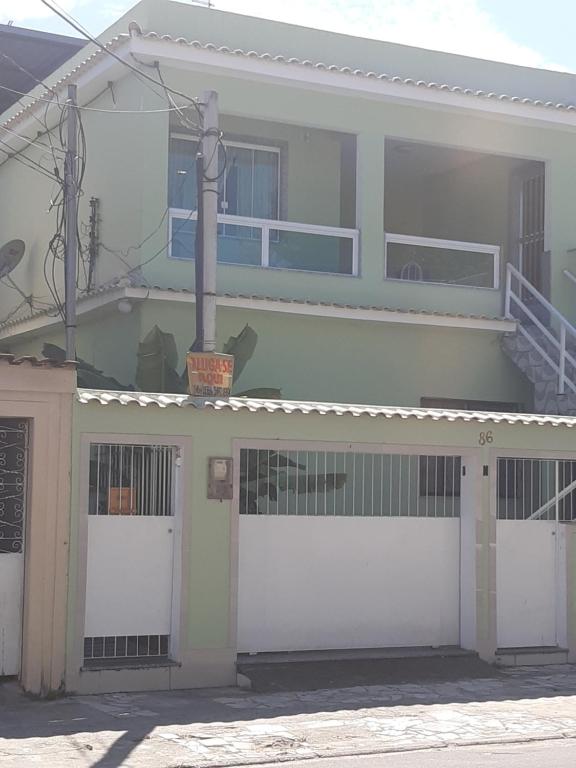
<point>10,256</point>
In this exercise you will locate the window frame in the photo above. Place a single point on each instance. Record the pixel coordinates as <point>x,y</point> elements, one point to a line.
<point>272,148</point>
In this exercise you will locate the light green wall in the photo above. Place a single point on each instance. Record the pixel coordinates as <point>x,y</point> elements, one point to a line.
<point>128,155</point>
<point>207,559</point>
<point>321,359</point>
<point>346,361</point>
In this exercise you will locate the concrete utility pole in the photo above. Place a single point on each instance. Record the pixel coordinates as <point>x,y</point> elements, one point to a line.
<point>71,214</point>
<point>210,142</point>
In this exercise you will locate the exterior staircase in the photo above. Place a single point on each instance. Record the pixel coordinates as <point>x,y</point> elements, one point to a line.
<point>543,347</point>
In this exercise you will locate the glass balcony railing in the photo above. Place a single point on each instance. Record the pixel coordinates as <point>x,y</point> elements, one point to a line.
<point>447,262</point>
<point>268,243</point>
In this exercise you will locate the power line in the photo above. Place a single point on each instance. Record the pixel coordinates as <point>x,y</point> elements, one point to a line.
<point>30,142</point>
<point>30,164</point>
<point>97,109</point>
<point>79,28</point>
<point>27,73</point>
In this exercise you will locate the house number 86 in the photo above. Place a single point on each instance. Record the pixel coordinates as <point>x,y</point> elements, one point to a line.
<point>485,437</point>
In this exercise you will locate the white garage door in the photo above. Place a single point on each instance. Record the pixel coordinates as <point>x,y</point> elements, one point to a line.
<point>348,550</point>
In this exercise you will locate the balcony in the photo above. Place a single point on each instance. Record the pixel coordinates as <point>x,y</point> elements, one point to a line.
<point>269,243</point>
<point>442,262</point>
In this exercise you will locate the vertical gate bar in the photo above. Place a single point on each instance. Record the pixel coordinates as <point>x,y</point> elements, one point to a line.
<point>400,509</point>
<point>316,483</point>
<point>109,479</point>
<point>131,480</point>
<point>325,481</point>
<point>381,485</point>
<point>120,450</point>
<point>143,495</point>
<point>363,512</point>
<point>409,488</point>
<point>164,480</point>
<point>336,459</point>
<point>436,478</point>
<point>531,489</point>
<point>98,460</point>
<point>557,489</point>
<point>516,488</point>
<point>354,484</point>
<point>445,485</point>
<point>454,485</point>
<point>417,481</point>
<point>372,508</point>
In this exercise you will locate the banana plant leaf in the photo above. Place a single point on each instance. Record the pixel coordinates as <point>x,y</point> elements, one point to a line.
<point>87,376</point>
<point>265,473</point>
<point>242,347</point>
<point>157,361</point>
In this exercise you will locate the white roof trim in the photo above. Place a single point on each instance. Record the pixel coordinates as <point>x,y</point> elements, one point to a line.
<point>91,304</point>
<point>305,73</point>
<point>319,76</point>
<point>236,404</point>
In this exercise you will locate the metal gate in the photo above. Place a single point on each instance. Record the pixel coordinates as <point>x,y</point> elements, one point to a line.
<point>13,485</point>
<point>130,559</point>
<point>342,549</point>
<point>534,498</point>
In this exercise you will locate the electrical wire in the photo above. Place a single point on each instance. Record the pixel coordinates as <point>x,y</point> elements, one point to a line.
<point>100,109</point>
<point>30,142</point>
<point>28,163</point>
<point>55,252</point>
<point>71,21</point>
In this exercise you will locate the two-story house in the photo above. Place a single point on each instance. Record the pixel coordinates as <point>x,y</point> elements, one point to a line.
<point>396,225</point>
<point>372,202</point>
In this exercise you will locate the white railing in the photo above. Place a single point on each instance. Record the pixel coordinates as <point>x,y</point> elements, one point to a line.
<point>559,333</point>
<point>469,280</point>
<point>570,275</point>
<point>268,231</point>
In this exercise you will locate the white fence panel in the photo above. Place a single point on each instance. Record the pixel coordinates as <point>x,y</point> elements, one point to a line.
<point>310,583</point>
<point>129,575</point>
<point>11,586</point>
<point>526,576</point>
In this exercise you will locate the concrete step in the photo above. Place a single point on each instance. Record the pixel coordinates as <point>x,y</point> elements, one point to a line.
<point>529,657</point>
<point>275,672</point>
<point>353,654</point>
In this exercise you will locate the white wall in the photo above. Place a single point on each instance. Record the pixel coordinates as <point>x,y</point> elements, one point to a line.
<point>342,582</point>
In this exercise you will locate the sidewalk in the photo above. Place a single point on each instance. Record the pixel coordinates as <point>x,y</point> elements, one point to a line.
<point>229,727</point>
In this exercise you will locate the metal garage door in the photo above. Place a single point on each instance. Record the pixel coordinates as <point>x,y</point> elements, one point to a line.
<point>348,550</point>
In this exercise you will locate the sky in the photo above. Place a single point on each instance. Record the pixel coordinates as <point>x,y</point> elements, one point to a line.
<point>527,32</point>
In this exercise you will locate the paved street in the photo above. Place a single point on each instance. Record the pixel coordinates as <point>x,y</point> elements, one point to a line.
<point>229,727</point>
<point>546,754</point>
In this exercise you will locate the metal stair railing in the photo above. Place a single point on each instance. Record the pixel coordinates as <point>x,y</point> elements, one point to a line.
<point>557,333</point>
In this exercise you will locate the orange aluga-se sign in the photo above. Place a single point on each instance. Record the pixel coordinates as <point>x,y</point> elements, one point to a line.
<point>209,374</point>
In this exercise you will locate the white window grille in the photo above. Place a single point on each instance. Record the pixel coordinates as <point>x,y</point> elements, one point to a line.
<point>131,479</point>
<point>126,647</point>
<point>330,483</point>
<point>536,489</point>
